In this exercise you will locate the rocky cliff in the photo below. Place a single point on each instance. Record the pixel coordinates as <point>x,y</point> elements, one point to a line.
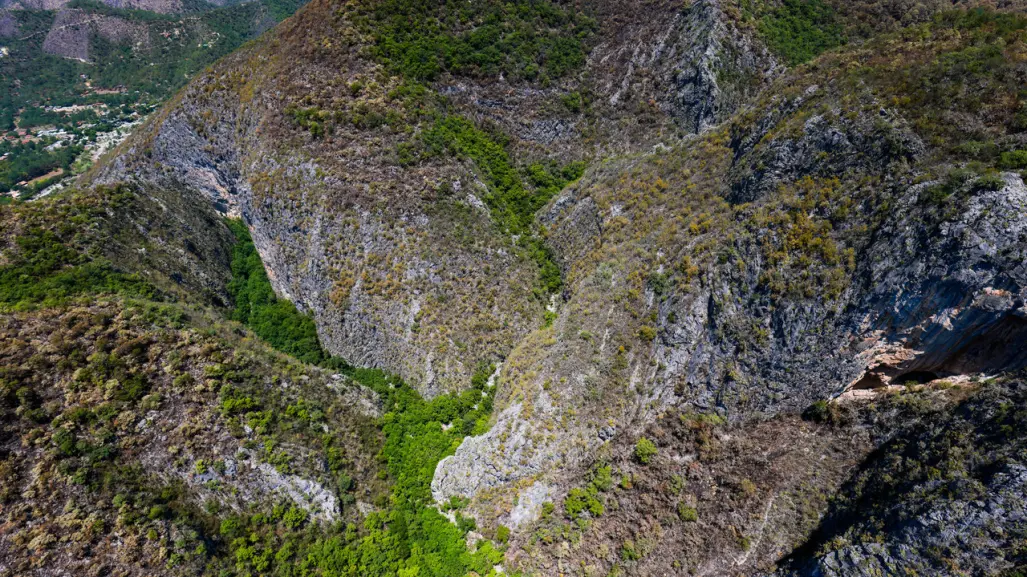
<point>798,252</point>
<point>388,302</point>
<point>751,237</point>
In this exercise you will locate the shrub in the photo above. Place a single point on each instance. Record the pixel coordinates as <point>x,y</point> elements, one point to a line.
<point>602,478</point>
<point>647,333</point>
<point>1014,160</point>
<point>465,524</point>
<point>581,500</point>
<point>686,513</point>
<point>573,102</point>
<point>990,181</point>
<point>294,518</point>
<point>628,551</point>
<point>645,450</point>
<point>747,487</point>
<point>821,412</point>
<point>503,534</point>
<point>799,30</point>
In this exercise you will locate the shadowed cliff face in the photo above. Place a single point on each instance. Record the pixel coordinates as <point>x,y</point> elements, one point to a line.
<point>745,241</point>
<point>946,492</point>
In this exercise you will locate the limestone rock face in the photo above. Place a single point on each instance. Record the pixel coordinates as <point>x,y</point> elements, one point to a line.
<point>398,268</point>
<point>747,243</point>
<point>378,252</point>
<point>957,304</point>
<point>911,297</point>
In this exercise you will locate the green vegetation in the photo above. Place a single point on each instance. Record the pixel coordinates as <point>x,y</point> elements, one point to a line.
<point>1014,160</point>
<point>31,117</point>
<point>797,30</point>
<point>411,536</point>
<point>687,513</point>
<point>962,180</point>
<point>645,450</point>
<point>408,536</point>
<point>512,205</point>
<point>32,160</point>
<point>803,257</point>
<point>822,412</point>
<point>46,268</point>
<point>275,320</point>
<point>532,40</point>
<point>589,500</point>
<point>502,534</point>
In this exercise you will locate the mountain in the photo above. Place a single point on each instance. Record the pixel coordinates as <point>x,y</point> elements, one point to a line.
<point>543,288</point>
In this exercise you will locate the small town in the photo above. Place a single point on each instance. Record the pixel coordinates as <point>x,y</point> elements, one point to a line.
<point>49,146</point>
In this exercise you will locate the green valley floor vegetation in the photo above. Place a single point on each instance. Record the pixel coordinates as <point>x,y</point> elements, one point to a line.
<point>406,535</point>
<point>121,353</point>
<point>275,320</point>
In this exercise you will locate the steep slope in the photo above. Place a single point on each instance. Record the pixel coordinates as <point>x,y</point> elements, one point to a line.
<point>130,429</point>
<point>136,420</point>
<point>308,123</point>
<point>949,493</point>
<point>670,243</point>
<point>143,433</point>
<point>814,245</point>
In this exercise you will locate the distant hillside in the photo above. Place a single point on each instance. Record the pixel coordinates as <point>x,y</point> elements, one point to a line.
<point>77,69</point>
<point>158,6</point>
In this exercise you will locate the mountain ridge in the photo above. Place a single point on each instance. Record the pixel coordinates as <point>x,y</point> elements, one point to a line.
<point>789,247</point>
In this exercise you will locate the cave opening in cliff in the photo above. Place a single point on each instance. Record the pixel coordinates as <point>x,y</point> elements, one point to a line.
<point>867,382</point>
<point>915,377</point>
